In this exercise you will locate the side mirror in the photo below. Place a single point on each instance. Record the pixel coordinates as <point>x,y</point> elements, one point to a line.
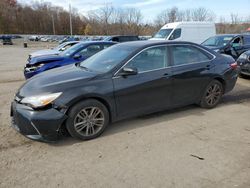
<point>126,71</point>
<point>77,56</point>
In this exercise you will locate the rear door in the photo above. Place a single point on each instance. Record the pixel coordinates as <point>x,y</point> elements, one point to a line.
<point>148,90</point>
<point>191,72</point>
<point>246,43</point>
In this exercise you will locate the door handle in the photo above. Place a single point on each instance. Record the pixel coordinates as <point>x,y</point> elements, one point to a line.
<point>208,67</point>
<point>165,75</point>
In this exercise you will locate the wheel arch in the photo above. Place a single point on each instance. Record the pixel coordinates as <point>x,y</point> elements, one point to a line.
<point>98,98</point>
<point>222,81</point>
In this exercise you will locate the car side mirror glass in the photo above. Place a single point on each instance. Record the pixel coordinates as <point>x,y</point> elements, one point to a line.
<point>77,56</point>
<point>126,71</point>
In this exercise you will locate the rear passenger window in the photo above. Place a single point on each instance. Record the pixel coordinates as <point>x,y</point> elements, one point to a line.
<point>123,39</point>
<point>106,46</point>
<point>247,40</point>
<point>188,54</point>
<point>115,39</point>
<point>90,50</point>
<point>150,59</point>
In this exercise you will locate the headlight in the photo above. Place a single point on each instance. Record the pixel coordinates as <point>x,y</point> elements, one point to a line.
<point>40,100</point>
<point>40,65</point>
<point>33,68</point>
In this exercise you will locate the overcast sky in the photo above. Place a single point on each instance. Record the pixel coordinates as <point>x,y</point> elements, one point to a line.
<point>150,8</point>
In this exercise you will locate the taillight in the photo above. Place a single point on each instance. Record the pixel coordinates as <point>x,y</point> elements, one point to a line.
<point>234,65</point>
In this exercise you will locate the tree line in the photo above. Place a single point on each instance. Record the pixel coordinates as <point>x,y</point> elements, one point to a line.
<point>45,18</point>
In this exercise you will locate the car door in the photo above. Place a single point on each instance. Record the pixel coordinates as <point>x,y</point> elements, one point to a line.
<point>246,43</point>
<point>236,47</point>
<point>148,90</point>
<point>191,72</point>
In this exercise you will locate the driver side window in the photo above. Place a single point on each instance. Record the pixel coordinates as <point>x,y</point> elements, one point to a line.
<point>150,59</point>
<point>90,50</point>
<point>237,42</point>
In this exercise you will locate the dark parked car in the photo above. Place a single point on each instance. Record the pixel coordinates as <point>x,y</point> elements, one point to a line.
<point>122,38</point>
<point>74,54</point>
<point>7,40</point>
<point>231,44</point>
<point>244,63</point>
<point>125,80</point>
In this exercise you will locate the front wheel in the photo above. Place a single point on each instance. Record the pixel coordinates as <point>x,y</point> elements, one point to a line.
<point>212,94</point>
<point>87,119</point>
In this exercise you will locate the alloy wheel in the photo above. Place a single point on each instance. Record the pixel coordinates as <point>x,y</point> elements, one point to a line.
<point>89,121</point>
<point>213,94</point>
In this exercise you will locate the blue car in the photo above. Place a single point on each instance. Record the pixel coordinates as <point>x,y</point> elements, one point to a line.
<point>75,54</point>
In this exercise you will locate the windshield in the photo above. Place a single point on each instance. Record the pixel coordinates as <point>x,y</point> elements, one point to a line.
<point>70,51</point>
<point>217,41</point>
<point>163,33</point>
<point>107,38</point>
<point>59,47</point>
<point>107,59</point>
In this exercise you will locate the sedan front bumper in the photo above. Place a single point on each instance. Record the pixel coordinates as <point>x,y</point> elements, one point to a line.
<point>42,125</point>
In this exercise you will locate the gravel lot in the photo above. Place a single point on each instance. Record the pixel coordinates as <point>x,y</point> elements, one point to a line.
<point>185,147</point>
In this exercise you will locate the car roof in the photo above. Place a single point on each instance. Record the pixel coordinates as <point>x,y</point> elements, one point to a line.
<point>232,35</point>
<point>146,43</point>
<point>97,42</point>
<point>70,42</point>
<point>227,35</point>
<point>123,36</point>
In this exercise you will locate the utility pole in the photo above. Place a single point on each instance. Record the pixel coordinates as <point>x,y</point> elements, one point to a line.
<point>70,19</point>
<point>53,24</point>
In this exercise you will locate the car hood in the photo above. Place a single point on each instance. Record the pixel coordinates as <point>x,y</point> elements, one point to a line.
<point>45,59</point>
<point>56,80</point>
<point>44,52</point>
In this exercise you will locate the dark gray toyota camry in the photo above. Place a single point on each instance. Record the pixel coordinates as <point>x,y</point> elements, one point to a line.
<point>125,80</point>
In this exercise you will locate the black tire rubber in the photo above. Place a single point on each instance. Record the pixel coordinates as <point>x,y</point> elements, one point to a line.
<point>77,108</point>
<point>203,102</point>
<point>244,76</point>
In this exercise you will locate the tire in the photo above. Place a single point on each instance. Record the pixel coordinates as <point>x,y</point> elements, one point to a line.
<point>243,76</point>
<point>212,94</point>
<point>87,119</point>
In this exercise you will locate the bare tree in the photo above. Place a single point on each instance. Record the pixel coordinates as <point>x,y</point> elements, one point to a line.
<point>104,15</point>
<point>133,18</point>
<point>202,14</point>
<point>234,18</point>
<point>172,14</point>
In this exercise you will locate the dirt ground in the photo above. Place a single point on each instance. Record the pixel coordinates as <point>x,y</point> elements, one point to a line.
<point>185,147</point>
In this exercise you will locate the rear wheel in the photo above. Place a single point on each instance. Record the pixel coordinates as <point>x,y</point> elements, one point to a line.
<point>212,94</point>
<point>87,119</point>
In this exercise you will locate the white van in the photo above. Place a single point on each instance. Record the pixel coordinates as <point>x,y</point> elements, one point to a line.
<point>196,32</point>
